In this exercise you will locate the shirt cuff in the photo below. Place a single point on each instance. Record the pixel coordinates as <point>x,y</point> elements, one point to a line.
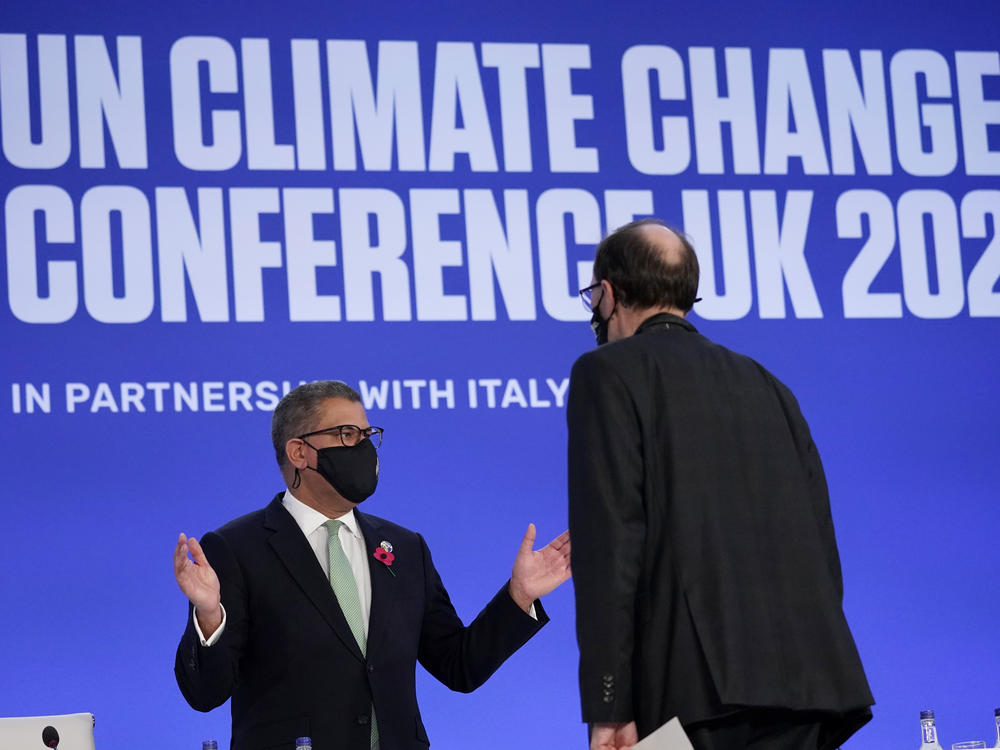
<point>222,626</point>
<point>531,613</point>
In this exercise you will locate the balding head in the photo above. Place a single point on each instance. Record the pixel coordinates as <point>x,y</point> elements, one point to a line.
<point>649,265</point>
<point>664,241</point>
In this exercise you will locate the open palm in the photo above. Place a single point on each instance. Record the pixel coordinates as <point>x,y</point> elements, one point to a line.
<point>537,572</point>
<point>195,576</point>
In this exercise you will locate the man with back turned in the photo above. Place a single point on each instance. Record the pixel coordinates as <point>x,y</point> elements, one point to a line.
<point>706,572</point>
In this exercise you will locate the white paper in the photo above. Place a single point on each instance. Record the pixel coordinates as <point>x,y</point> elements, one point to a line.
<point>671,736</point>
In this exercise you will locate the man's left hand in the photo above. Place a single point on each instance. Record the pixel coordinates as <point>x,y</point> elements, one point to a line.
<point>537,572</point>
<point>613,736</point>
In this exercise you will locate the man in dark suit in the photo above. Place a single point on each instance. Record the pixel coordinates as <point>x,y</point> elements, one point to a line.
<point>706,572</point>
<point>312,616</point>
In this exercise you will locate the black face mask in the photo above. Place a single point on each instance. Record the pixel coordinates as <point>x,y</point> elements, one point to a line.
<point>351,470</point>
<point>599,325</point>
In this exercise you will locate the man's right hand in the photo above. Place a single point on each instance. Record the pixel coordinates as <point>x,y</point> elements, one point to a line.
<point>199,583</point>
<point>613,736</point>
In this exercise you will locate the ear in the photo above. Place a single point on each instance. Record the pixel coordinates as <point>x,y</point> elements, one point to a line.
<point>608,293</point>
<point>295,450</point>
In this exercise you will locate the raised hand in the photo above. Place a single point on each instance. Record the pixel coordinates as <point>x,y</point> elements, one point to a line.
<point>537,572</point>
<point>613,736</point>
<point>199,583</point>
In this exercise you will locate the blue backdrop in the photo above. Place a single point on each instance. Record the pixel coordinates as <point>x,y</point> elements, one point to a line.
<point>205,205</point>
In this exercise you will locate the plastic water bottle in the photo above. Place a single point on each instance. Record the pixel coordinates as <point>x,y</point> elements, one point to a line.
<point>928,732</point>
<point>209,745</point>
<point>303,743</point>
<point>996,720</point>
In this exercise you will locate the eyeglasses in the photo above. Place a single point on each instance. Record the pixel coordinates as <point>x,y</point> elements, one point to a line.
<point>587,296</point>
<point>350,434</point>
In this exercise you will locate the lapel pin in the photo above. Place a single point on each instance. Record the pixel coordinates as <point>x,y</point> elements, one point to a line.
<point>383,553</point>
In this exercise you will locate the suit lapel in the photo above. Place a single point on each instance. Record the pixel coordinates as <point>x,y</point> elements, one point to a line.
<point>384,585</point>
<point>296,555</point>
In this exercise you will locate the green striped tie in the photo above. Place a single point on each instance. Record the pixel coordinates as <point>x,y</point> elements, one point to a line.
<point>344,585</point>
<point>346,590</point>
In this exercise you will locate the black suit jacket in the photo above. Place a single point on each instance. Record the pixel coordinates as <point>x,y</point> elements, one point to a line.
<point>287,656</point>
<point>705,566</point>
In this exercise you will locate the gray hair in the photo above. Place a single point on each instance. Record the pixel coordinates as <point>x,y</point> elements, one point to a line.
<point>299,411</point>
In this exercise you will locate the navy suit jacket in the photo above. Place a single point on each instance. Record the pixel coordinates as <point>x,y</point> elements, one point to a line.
<point>287,656</point>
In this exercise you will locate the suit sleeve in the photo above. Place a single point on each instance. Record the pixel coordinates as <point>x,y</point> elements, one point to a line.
<point>607,525</point>
<point>818,492</point>
<point>206,675</point>
<point>463,658</point>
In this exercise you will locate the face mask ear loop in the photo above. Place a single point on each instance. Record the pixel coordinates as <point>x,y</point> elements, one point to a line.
<point>298,478</point>
<point>614,307</point>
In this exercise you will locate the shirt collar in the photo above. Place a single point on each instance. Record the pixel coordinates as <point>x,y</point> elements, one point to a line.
<point>310,519</point>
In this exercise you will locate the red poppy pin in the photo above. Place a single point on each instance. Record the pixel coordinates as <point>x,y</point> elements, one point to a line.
<point>383,553</point>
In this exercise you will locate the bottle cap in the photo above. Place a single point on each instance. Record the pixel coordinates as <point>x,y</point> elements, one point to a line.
<point>300,741</point>
<point>209,745</point>
<point>928,714</point>
<point>996,711</point>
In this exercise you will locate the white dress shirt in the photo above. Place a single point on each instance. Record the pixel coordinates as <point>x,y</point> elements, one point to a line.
<point>311,521</point>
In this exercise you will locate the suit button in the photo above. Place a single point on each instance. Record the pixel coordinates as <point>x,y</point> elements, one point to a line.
<point>362,719</point>
<point>370,669</point>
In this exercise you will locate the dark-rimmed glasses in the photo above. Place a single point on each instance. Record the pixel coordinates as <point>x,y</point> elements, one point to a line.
<point>350,434</point>
<point>587,296</point>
